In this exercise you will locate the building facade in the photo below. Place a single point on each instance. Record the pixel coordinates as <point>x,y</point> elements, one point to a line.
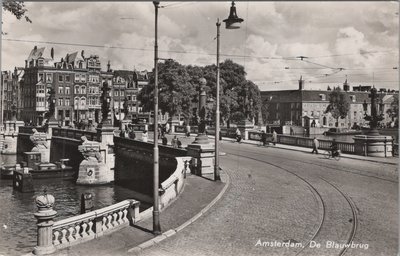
<point>296,107</point>
<point>77,81</point>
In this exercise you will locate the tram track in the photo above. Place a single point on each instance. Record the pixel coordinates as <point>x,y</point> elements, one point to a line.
<point>315,191</point>
<point>354,213</point>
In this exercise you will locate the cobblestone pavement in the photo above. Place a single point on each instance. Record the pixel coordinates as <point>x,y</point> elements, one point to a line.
<point>278,195</point>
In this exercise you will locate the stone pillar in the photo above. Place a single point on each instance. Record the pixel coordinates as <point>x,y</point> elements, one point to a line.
<point>97,167</point>
<point>202,162</point>
<point>245,126</point>
<point>11,136</point>
<point>125,123</point>
<point>44,216</point>
<point>377,146</point>
<point>41,141</point>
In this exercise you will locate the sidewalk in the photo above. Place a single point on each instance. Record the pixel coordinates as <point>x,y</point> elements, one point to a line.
<point>197,196</point>
<point>388,160</point>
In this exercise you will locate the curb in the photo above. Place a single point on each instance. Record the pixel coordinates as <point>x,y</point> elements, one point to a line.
<point>172,232</point>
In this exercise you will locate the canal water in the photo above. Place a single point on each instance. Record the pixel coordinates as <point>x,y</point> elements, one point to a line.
<point>349,138</point>
<point>17,222</point>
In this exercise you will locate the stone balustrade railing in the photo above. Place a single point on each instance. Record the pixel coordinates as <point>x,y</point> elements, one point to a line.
<point>225,132</point>
<point>345,147</point>
<point>88,226</point>
<point>74,133</point>
<point>28,129</point>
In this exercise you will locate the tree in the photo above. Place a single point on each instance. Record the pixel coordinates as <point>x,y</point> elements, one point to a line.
<point>175,90</point>
<point>393,111</point>
<point>339,104</point>
<point>17,8</point>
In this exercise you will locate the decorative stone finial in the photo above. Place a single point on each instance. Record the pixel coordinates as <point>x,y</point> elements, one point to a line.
<point>45,202</point>
<point>202,81</point>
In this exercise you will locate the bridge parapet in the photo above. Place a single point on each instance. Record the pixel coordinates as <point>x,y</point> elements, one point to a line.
<point>75,134</point>
<point>83,227</point>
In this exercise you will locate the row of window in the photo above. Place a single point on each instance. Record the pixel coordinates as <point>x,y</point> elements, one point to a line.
<point>79,78</point>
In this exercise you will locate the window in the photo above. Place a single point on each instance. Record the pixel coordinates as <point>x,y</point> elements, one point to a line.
<point>83,89</point>
<point>122,93</point>
<point>322,96</point>
<point>353,98</point>
<point>67,78</point>
<point>77,77</point>
<point>67,90</point>
<point>83,101</point>
<point>40,77</point>
<point>60,102</point>
<point>67,102</point>
<point>355,114</point>
<point>93,79</point>
<point>61,90</point>
<point>60,78</point>
<point>67,112</point>
<point>76,102</point>
<point>60,114</point>
<point>49,78</point>
<point>76,89</point>
<point>83,78</point>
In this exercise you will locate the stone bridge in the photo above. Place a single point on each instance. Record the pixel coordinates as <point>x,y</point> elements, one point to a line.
<point>131,161</point>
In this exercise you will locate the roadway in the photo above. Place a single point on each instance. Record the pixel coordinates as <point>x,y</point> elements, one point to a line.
<point>303,200</point>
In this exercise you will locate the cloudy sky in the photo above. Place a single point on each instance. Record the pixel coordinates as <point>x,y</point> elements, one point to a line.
<point>357,40</point>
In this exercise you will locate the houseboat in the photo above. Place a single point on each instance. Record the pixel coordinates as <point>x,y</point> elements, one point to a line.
<point>32,161</point>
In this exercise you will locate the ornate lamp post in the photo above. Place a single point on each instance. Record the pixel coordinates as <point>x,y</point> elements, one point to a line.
<point>373,144</point>
<point>201,136</point>
<point>105,105</point>
<point>375,117</point>
<point>232,22</point>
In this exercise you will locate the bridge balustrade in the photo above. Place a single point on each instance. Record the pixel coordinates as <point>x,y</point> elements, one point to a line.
<point>345,147</point>
<point>74,133</point>
<point>88,226</point>
<point>28,129</point>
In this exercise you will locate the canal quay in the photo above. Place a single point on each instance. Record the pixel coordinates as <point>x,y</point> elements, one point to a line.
<point>199,128</point>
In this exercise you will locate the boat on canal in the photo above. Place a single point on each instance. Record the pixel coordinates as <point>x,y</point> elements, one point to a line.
<point>39,170</point>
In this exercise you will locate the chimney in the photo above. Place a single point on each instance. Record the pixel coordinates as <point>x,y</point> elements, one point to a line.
<point>346,86</point>
<point>301,84</point>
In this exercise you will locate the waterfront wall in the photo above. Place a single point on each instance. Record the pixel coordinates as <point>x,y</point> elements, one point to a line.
<point>134,164</point>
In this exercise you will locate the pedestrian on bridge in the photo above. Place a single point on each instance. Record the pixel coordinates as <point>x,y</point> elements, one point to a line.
<point>315,146</point>
<point>263,137</point>
<point>274,137</point>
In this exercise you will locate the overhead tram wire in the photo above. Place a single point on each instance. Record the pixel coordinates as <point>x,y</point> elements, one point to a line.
<point>184,52</point>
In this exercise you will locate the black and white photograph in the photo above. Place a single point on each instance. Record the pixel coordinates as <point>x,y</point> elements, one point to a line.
<point>204,128</point>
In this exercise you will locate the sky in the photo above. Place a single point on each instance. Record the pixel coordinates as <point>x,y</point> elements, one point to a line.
<point>357,41</point>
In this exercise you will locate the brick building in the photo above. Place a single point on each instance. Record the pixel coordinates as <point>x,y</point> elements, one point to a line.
<point>297,106</point>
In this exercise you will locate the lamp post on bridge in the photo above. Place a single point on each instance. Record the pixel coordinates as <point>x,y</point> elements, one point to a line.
<point>375,117</point>
<point>232,22</point>
<point>156,211</point>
